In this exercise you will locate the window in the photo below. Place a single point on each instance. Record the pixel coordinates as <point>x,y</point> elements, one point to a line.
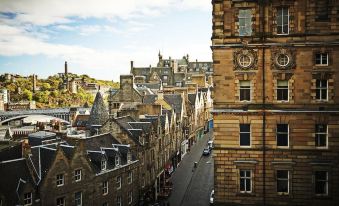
<point>130,197</point>
<point>105,204</point>
<point>321,135</point>
<point>245,22</point>
<point>60,201</point>
<point>117,160</point>
<point>245,181</point>
<point>245,135</point>
<point>321,182</point>
<point>321,89</point>
<point>130,178</point>
<point>282,135</point>
<point>283,181</point>
<point>165,77</point>
<point>245,90</point>
<point>129,155</point>
<point>103,164</point>
<point>78,198</point>
<point>28,198</point>
<point>118,200</point>
<point>321,59</point>
<point>77,175</point>
<point>282,20</point>
<point>282,90</point>
<point>118,182</point>
<point>105,187</point>
<point>60,180</point>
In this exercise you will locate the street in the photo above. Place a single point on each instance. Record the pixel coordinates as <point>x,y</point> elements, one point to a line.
<point>192,186</point>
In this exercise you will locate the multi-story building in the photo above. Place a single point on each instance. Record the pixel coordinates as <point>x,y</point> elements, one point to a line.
<point>174,72</point>
<point>276,112</point>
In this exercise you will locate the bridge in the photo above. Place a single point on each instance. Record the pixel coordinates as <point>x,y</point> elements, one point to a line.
<point>62,113</point>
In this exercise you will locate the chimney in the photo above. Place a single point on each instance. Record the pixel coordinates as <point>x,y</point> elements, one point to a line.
<point>34,82</point>
<point>66,70</point>
<point>160,94</point>
<point>132,65</point>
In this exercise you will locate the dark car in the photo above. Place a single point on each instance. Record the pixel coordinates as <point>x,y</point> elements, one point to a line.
<point>206,152</point>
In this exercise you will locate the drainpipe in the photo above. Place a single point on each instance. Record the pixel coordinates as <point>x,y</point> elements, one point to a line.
<point>263,39</point>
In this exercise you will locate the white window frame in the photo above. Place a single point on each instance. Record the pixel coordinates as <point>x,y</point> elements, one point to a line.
<point>77,175</point>
<point>321,133</point>
<point>284,179</point>
<point>240,17</point>
<point>28,200</point>
<point>243,88</point>
<point>118,182</point>
<point>282,20</point>
<point>321,59</point>
<point>117,160</point>
<point>104,187</point>
<point>63,203</point>
<point>245,146</point>
<point>119,200</point>
<point>326,181</point>
<point>321,88</point>
<point>130,177</point>
<point>103,164</point>
<point>288,136</point>
<point>246,178</point>
<point>288,91</point>
<point>60,180</point>
<point>130,197</point>
<point>76,199</point>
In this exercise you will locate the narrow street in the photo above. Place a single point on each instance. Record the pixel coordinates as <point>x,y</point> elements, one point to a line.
<point>192,186</point>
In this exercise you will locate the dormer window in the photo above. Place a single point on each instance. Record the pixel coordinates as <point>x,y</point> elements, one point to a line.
<point>117,160</point>
<point>103,164</point>
<point>129,157</point>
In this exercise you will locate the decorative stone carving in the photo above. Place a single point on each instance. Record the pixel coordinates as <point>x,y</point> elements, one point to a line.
<point>283,59</point>
<point>245,59</point>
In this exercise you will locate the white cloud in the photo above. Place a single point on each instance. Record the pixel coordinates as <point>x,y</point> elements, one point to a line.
<point>46,12</point>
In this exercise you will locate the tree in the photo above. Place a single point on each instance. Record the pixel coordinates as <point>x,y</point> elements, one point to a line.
<point>27,95</point>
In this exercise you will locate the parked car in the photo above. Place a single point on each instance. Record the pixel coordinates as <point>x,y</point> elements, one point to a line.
<point>210,144</point>
<point>212,197</point>
<point>206,152</point>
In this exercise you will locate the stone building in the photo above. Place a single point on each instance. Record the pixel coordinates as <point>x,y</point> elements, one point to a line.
<point>95,170</point>
<point>276,113</point>
<point>173,72</point>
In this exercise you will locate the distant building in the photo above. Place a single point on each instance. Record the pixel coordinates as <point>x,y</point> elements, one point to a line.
<point>172,72</point>
<point>11,106</point>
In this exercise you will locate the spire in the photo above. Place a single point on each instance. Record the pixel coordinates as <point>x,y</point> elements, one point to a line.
<point>99,113</point>
<point>9,134</point>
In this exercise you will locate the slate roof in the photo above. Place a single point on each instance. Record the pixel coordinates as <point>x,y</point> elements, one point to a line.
<point>175,101</point>
<point>11,172</point>
<point>10,150</point>
<point>145,126</point>
<point>192,98</point>
<point>150,99</point>
<point>99,113</point>
<point>97,141</point>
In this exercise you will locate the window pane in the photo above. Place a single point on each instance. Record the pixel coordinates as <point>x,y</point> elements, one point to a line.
<point>245,139</point>
<point>282,128</point>
<point>248,185</point>
<point>245,127</point>
<point>282,83</point>
<point>282,186</point>
<point>245,83</point>
<point>242,184</point>
<point>282,174</point>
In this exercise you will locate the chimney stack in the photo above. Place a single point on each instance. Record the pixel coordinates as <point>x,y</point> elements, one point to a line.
<point>66,70</point>
<point>34,82</point>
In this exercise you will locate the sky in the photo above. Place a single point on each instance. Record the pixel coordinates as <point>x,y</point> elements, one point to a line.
<point>100,37</point>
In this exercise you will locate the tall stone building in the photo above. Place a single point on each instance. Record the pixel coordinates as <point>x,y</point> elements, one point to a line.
<point>276,112</point>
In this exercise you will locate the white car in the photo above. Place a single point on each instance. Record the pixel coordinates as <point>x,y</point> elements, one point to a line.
<point>212,197</point>
<point>210,144</point>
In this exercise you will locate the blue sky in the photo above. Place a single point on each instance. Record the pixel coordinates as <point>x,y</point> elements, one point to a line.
<point>100,37</point>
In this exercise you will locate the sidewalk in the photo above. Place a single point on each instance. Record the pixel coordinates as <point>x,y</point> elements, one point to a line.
<point>183,174</point>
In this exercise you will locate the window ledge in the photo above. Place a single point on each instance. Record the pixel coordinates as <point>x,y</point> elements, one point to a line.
<point>245,194</point>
